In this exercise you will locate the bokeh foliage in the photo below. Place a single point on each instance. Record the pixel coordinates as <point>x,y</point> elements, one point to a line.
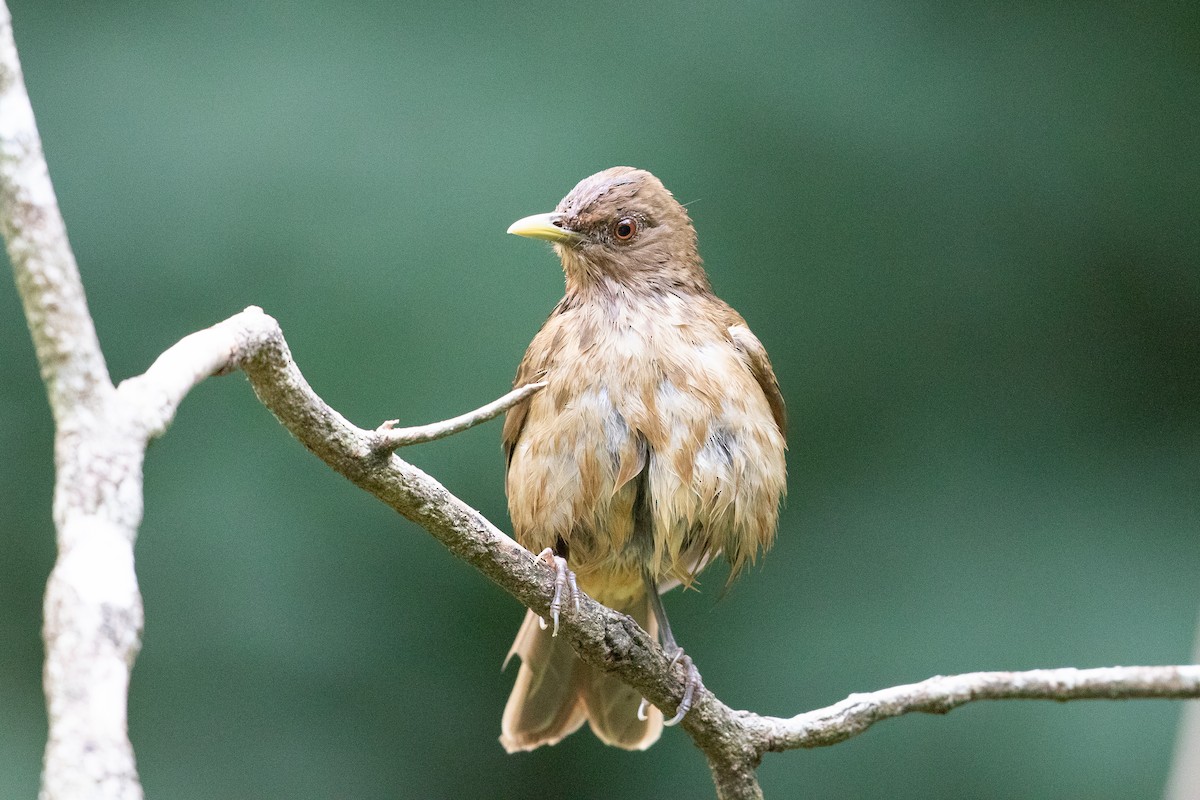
<point>967,233</point>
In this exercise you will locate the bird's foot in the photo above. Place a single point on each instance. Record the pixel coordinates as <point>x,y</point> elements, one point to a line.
<point>691,680</point>
<point>564,579</point>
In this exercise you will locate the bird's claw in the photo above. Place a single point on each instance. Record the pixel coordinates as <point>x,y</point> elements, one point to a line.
<point>690,681</point>
<point>564,578</point>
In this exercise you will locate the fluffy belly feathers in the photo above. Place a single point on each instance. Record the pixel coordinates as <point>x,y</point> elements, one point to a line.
<point>661,460</point>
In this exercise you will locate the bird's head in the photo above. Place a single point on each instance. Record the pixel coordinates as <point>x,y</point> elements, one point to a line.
<point>621,226</point>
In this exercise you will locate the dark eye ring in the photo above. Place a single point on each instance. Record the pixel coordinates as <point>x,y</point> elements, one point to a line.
<point>625,229</point>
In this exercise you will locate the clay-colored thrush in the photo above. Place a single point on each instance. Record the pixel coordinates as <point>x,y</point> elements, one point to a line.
<point>657,443</point>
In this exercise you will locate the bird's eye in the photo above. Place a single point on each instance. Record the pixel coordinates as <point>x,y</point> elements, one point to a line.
<point>625,229</point>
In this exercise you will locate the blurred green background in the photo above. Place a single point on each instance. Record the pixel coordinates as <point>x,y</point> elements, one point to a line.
<point>967,233</point>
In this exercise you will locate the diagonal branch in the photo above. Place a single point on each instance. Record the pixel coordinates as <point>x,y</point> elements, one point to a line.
<point>605,637</point>
<point>732,741</point>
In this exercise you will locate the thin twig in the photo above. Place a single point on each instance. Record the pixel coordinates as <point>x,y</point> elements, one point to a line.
<point>389,438</point>
<point>942,694</point>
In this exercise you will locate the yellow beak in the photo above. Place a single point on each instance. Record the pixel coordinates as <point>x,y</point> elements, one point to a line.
<point>541,226</point>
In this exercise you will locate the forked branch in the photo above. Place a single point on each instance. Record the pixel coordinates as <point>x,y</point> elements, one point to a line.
<point>733,741</point>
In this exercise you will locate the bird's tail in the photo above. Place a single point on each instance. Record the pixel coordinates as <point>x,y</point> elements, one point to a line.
<point>555,692</point>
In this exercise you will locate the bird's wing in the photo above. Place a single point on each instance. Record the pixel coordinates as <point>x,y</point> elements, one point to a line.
<point>755,354</point>
<point>532,368</point>
<point>514,420</point>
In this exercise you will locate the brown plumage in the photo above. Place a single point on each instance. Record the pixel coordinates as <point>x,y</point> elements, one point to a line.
<point>657,443</point>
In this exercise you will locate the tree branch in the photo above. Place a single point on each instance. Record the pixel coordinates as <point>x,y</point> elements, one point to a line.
<point>48,281</point>
<point>92,607</point>
<point>942,694</point>
<point>389,438</point>
<point>732,741</point>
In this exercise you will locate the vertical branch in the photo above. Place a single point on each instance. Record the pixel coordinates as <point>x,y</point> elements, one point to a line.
<point>68,351</point>
<point>93,609</point>
<point>736,781</point>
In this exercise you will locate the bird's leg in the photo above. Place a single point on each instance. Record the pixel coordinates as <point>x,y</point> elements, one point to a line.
<point>671,648</point>
<point>564,578</point>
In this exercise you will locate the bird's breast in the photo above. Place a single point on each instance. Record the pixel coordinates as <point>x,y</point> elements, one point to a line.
<point>653,407</point>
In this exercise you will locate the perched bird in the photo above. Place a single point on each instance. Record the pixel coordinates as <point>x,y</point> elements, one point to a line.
<point>657,443</point>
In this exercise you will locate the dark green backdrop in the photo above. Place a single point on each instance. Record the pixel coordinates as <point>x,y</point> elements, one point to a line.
<point>967,233</point>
